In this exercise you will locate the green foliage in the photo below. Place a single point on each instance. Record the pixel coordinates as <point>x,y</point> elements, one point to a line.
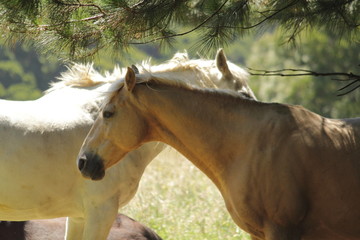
<point>22,92</point>
<point>81,28</point>
<point>339,17</point>
<point>24,74</point>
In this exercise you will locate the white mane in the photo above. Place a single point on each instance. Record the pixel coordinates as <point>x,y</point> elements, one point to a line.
<point>185,70</point>
<point>84,75</point>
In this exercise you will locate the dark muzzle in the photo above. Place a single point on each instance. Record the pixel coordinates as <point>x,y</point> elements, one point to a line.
<point>91,166</point>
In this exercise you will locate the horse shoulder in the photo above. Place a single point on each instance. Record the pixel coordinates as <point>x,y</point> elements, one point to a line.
<point>315,163</point>
<point>277,193</point>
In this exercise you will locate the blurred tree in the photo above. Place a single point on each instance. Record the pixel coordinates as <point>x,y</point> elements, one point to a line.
<point>24,73</point>
<point>320,53</point>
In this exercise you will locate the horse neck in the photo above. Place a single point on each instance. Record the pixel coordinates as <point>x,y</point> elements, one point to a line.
<point>202,126</point>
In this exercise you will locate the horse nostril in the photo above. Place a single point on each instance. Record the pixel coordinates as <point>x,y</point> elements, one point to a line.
<point>81,163</point>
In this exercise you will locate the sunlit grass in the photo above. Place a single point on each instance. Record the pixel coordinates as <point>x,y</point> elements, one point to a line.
<point>179,202</point>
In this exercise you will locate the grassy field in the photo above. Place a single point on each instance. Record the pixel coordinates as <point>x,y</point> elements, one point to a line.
<point>180,203</point>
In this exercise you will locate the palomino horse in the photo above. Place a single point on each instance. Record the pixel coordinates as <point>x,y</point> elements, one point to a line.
<point>124,228</point>
<point>40,140</point>
<point>284,172</point>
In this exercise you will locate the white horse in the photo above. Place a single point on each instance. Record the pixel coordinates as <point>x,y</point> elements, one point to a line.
<point>40,141</point>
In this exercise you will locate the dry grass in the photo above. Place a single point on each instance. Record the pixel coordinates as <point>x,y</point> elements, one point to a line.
<point>179,202</point>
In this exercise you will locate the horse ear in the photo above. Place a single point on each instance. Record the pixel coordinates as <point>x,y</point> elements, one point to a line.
<point>136,70</point>
<point>130,79</point>
<point>221,63</point>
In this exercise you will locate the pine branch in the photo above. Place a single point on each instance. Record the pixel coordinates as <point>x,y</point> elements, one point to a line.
<point>46,27</point>
<point>304,73</point>
<point>276,12</point>
<point>121,23</point>
<point>186,32</point>
<point>79,5</point>
<point>349,77</point>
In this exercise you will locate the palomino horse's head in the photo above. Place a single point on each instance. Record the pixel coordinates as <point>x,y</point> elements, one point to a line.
<point>119,128</point>
<point>102,148</point>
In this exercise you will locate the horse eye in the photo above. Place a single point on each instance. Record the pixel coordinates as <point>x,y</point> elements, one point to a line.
<point>107,114</point>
